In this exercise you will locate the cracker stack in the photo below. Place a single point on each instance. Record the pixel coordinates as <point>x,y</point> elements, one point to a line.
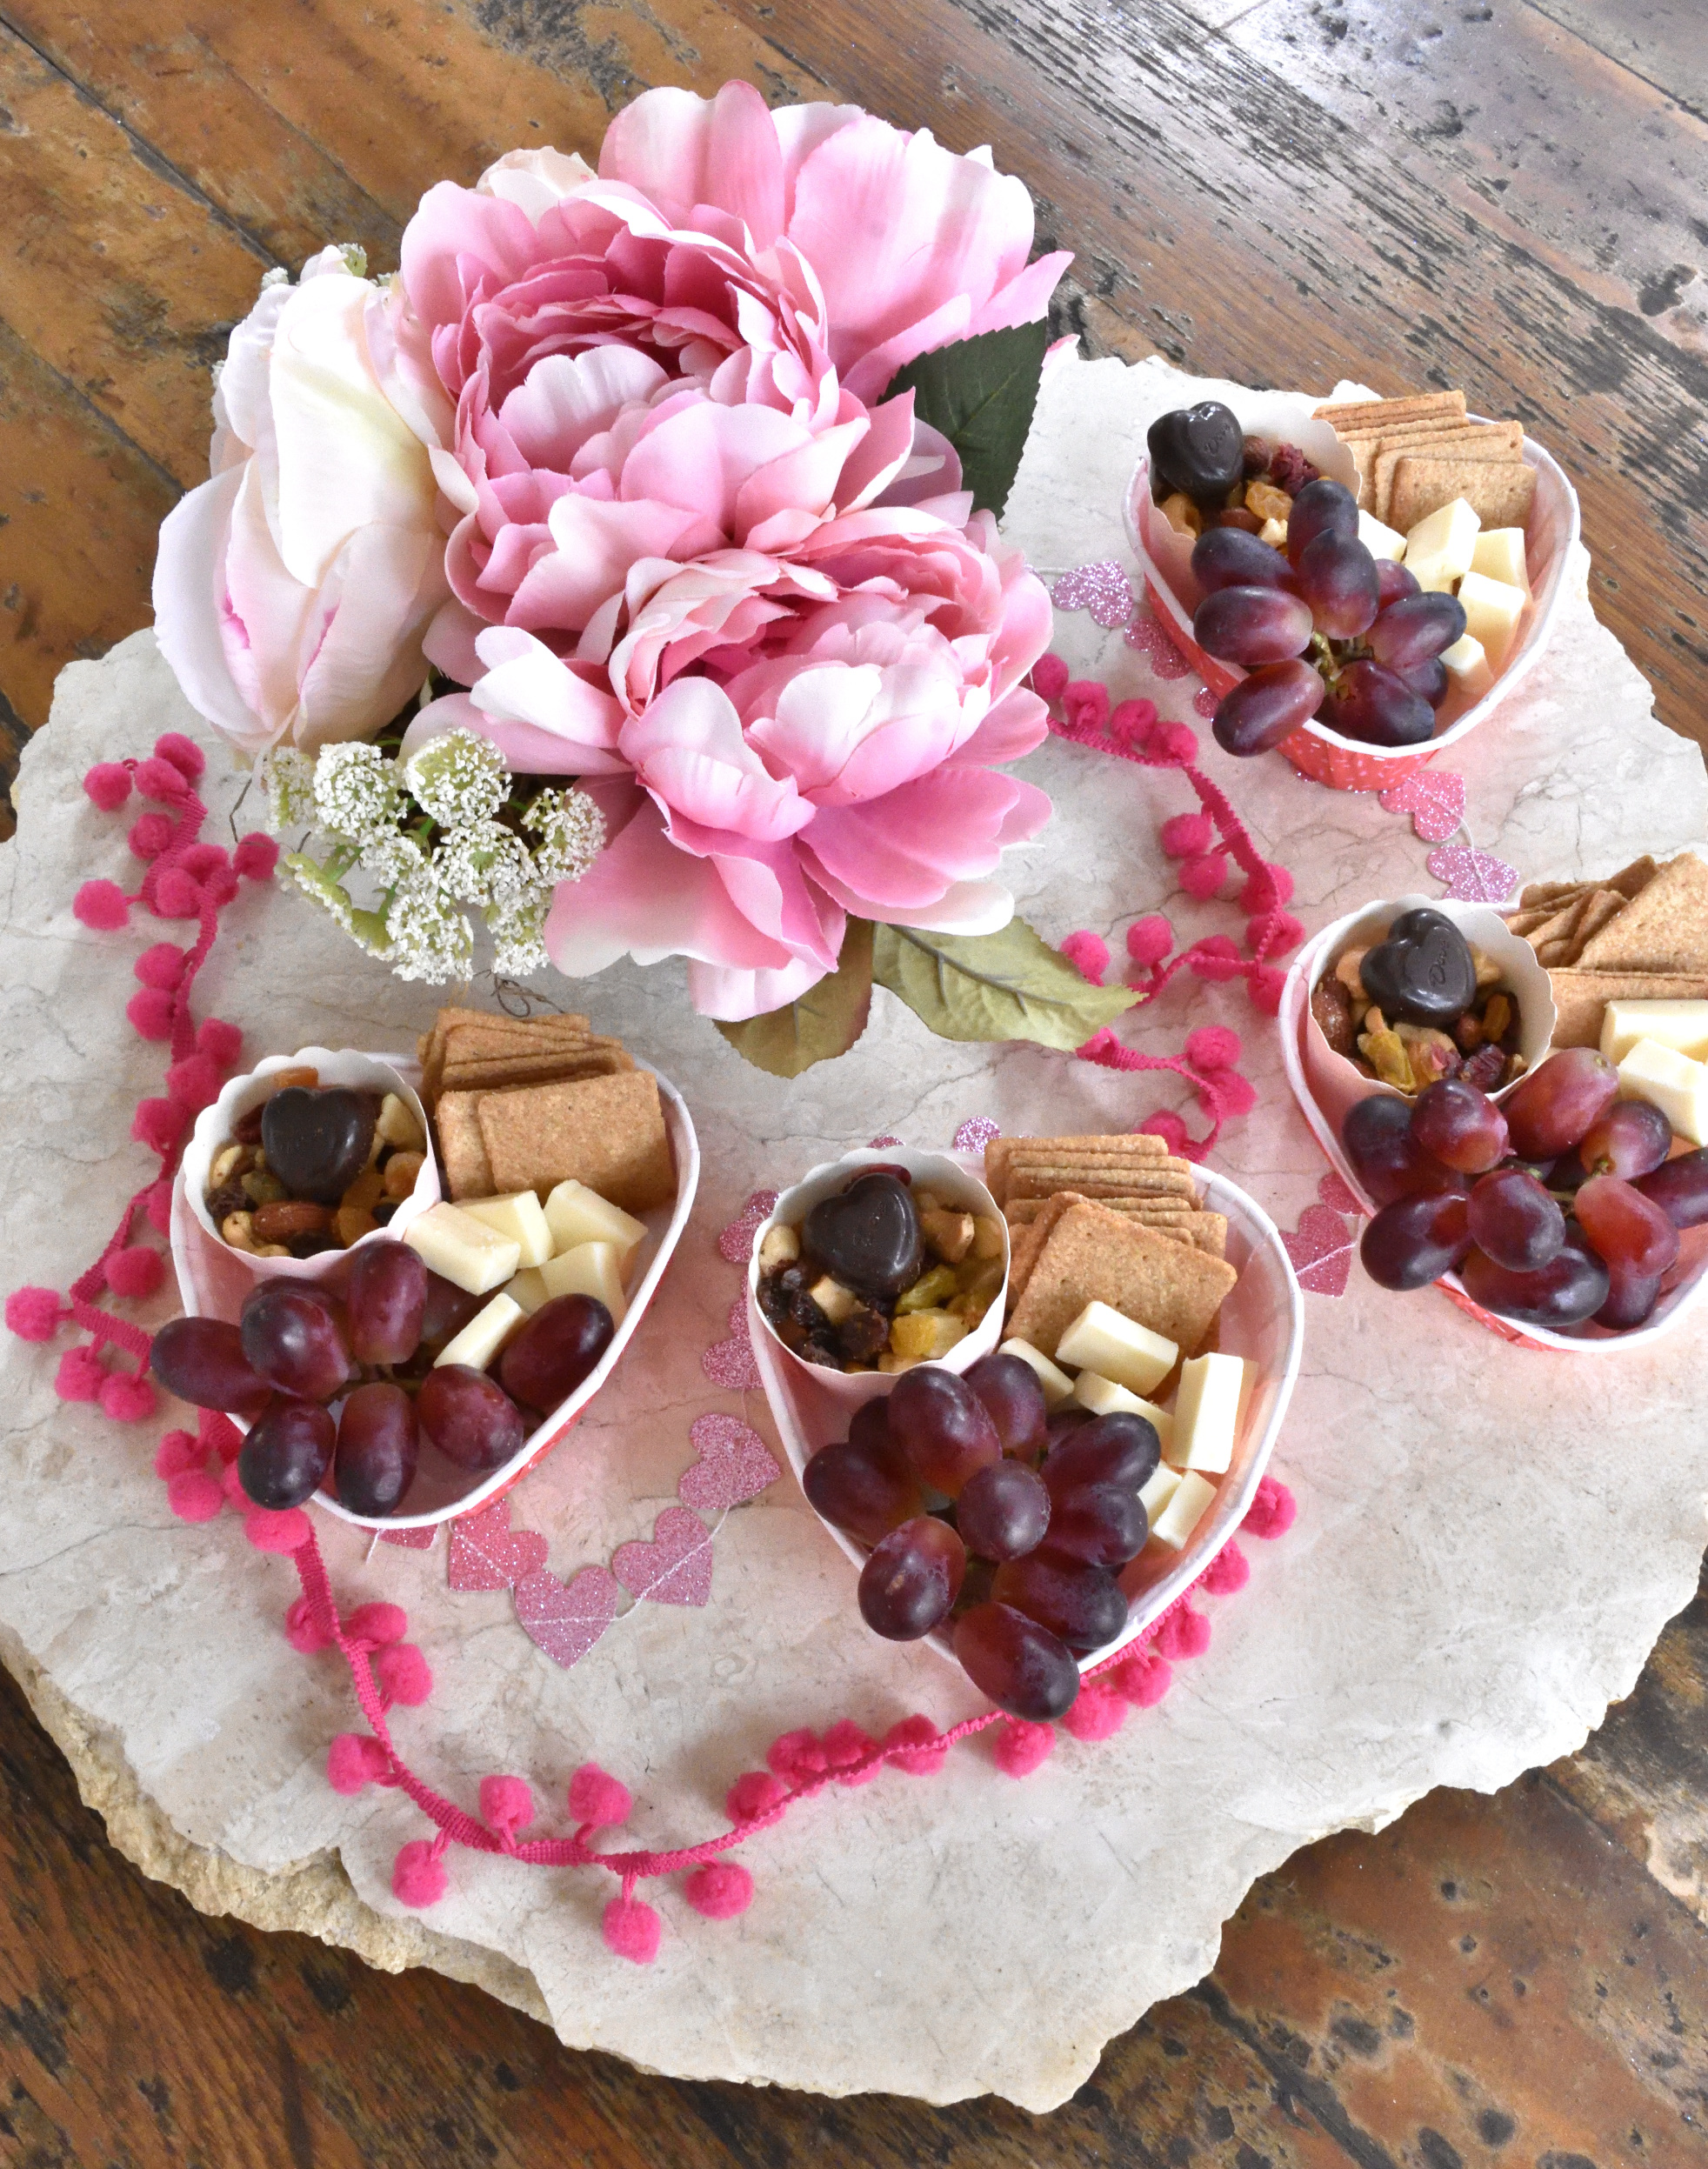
<point>1639,935</point>
<point>1131,1174</point>
<point>1416,454</point>
<point>525,1103</point>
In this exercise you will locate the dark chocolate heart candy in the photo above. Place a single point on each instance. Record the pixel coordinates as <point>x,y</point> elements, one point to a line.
<point>1423,972</point>
<point>1200,449</point>
<point>318,1140</point>
<point>867,1238</point>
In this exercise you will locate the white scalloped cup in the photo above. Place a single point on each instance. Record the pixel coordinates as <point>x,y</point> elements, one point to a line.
<point>441,1492</point>
<point>1262,1320</point>
<point>1165,559</point>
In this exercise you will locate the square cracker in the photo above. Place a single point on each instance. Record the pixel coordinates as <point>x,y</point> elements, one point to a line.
<point>1580,996</point>
<point>467,1172</point>
<point>499,1071</point>
<point>999,1152</point>
<point>1601,908</point>
<point>1091,1255</point>
<point>1364,413</point>
<point>1097,1182</point>
<point>1500,491</point>
<point>1026,1245</point>
<point>607,1131</point>
<point>1664,928</point>
<point>1496,441</point>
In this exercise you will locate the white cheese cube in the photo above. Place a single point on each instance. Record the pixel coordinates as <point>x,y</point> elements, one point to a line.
<point>1206,1413</point>
<point>1100,1340</point>
<point>1671,1082</point>
<point>1274,532</point>
<point>484,1334</point>
<point>1499,551</point>
<point>1058,1386</point>
<point>452,1242</point>
<point>589,1269</point>
<point>1379,540</point>
<point>837,1302</point>
<point>1437,551</point>
<point>1492,609</point>
<point>1468,667</point>
<point>1184,1510</point>
<point>1104,1397</point>
<point>576,1215</point>
<point>1681,1026</point>
<point>1157,1489</point>
<point>520,1216</point>
<point>529,1289</point>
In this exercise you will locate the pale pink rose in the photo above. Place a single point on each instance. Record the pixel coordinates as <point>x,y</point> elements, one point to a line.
<point>292,589</point>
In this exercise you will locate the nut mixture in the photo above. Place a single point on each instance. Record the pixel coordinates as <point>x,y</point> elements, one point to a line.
<point>255,1211</point>
<point>1481,1045</point>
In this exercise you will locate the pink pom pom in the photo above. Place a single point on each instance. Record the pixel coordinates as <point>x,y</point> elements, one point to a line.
<point>1174,743</point>
<point>1183,1633</point>
<point>1285,934</point>
<point>1188,835</point>
<point>846,1745</point>
<point>1089,955</point>
<point>102,905</point>
<point>157,778</point>
<point>797,1757</point>
<point>1149,940</point>
<point>33,1313</point>
<point>378,1624</point>
<point>1264,890</point>
<point>1131,720</point>
<point>128,1398</point>
<point>1202,877</point>
<point>193,1495</point>
<point>176,895</point>
<point>184,753</point>
<point>303,1631</point>
<point>177,1452</point>
<point>268,1531</point>
<point>1144,1679</point>
<point>135,1271</point>
<point>1099,1713</point>
<point>255,856</point>
<point>355,1759</point>
<point>1021,1748</point>
<point>598,1798</point>
<point>1212,1047</point>
<point>149,1010</point>
<point>1086,703</point>
<point>161,965</point>
<point>80,1376</point>
<point>925,1750</point>
<point>158,1124</point>
<point>151,834</point>
<point>1229,1570</point>
<point>220,1042</point>
<point>1231,1094</point>
<point>1265,987</point>
<point>1050,677</point>
<point>506,1806</point>
<point>195,1081</point>
<point>219,888</point>
<point>108,784</point>
<point>631,1930</point>
<point>720,1889</point>
<point>1273,1510</point>
<point>418,1876</point>
<point>200,860</point>
<point>405,1674</point>
<point>1167,1126</point>
<point>755,1792</point>
<point>1215,959</point>
<point>158,1204</point>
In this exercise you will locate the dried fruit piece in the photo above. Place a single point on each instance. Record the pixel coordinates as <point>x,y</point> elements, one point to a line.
<point>930,1290</point>
<point>925,1336</point>
<point>1346,970</point>
<point>1267,501</point>
<point>1332,1007</point>
<point>398,1175</point>
<point>950,1234</point>
<point>1182,515</point>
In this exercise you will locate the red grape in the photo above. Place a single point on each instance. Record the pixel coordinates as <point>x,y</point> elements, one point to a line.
<point>1460,1126</point>
<point>1083,1605</point>
<point>1394,581</point>
<point>386,1299</point>
<point>469,1417</point>
<point>1623,1225</point>
<point>1564,1292</point>
<point>377,1447</point>
<point>448,1310</point>
<point>1225,557</point>
<point>1323,507</point>
<point>1428,680</point>
<point>1374,704</point>
<point>1631,1298</point>
<point>1338,577</point>
<point>944,1428</point>
<point>1003,1511</point>
<point>1680,1188</point>
<point>1251,624</point>
<point>1630,1139</point>
<point>1268,707</point>
<point>1513,1217</point>
<point>1416,1239</point>
<point>1021,1665</point>
<point>295,1337</point>
<point>286,1452</point>
<point>555,1351</point>
<point>1415,630</point>
<point>1560,1102</point>
<point>862,1484</point>
<point>912,1579</point>
<point>1120,1448</point>
<point>201,1360</point>
<point>1103,1524</point>
<point>1065,1420</point>
<point>1014,1400</point>
<point>1386,1156</point>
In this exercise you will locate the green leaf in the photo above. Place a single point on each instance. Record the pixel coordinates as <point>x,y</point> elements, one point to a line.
<point>1011,985</point>
<point>825,1022</point>
<point>981,393</point>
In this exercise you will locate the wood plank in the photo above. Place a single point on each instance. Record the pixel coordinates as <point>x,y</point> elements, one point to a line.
<point>1660,40</point>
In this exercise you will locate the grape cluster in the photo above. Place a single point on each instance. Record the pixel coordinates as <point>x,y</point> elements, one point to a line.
<point>344,1380</point>
<point>1557,1207</point>
<point>1321,628</point>
<point>983,1511</point>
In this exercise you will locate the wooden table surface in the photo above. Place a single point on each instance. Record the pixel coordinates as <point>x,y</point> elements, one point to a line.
<point>1507,196</point>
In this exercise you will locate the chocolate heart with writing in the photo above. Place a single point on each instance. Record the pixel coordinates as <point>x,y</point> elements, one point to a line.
<point>317,1138</point>
<point>1424,971</point>
<point>868,1236</point>
<point>1200,449</point>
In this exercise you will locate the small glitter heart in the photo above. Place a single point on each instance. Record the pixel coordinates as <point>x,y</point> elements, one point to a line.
<point>410,1539</point>
<point>736,1243</point>
<point>1435,799</point>
<point>975,1133</point>
<point>487,1553</point>
<point>1206,703</point>
<point>566,1618</point>
<point>734,1464</point>
<point>1337,1197</point>
<point>1473,877</point>
<point>885,1144</point>
<point>1103,589</point>
<point>1321,1251</point>
<point>730,1364</point>
<point>1148,639</point>
<point>675,1567</point>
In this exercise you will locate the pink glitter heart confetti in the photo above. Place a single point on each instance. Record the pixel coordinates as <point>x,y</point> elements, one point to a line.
<point>1321,1251</point>
<point>1103,589</point>
<point>735,1464</point>
<point>675,1567</point>
<point>1146,637</point>
<point>975,1133</point>
<point>566,1618</point>
<point>1336,1193</point>
<point>885,1144</point>
<point>1206,703</point>
<point>1473,877</point>
<point>410,1539</point>
<point>487,1553</point>
<point>1435,799</point>
<point>736,1243</point>
<point>729,1363</point>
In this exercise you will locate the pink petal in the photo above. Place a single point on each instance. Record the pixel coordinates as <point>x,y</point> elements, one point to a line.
<point>595,545</point>
<point>548,717</point>
<point>699,457</point>
<point>453,238</point>
<point>718,991</point>
<point>689,751</point>
<point>907,848</point>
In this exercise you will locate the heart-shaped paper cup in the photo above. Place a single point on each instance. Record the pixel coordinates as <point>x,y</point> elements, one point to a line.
<point>954,1181</point>
<point>211,1287</point>
<point>1262,1320</point>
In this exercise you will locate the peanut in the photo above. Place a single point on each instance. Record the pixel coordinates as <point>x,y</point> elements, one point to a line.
<point>782,1247</point>
<point>237,1229</point>
<point>229,1162</point>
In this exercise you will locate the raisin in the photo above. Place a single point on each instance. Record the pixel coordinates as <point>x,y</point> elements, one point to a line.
<point>247,1128</point>
<point>1331,1006</point>
<point>862,1335</point>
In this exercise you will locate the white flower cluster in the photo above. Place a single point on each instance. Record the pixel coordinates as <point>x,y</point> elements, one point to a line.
<point>433,835</point>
